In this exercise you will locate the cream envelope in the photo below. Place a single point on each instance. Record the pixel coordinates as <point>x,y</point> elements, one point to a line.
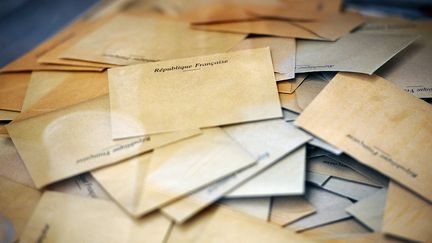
<point>49,91</point>
<point>357,52</point>
<point>11,165</point>
<point>176,170</point>
<point>342,228</point>
<point>126,40</point>
<point>282,52</point>
<point>61,217</point>
<point>407,215</point>
<point>81,185</point>
<point>6,115</point>
<point>285,210</point>
<point>230,226</point>
<point>193,92</point>
<point>17,203</point>
<point>331,28</point>
<point>370,210</point>
<point>330,208</point>
<point>372,137</point>
<point>268,141</point>
<point>49,157</point>
<point>13,88</point>
<point>285,177</point>
<point>255,207</point>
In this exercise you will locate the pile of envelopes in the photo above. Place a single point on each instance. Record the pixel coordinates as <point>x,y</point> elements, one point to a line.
<point>210,121</point>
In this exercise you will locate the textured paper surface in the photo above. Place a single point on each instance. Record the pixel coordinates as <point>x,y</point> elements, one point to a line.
<point>61,217</point>
<point>193,92</point>
<point>126,40</point>
<point>382,118</point>
<point>13,87</point>
<point>50,157</point>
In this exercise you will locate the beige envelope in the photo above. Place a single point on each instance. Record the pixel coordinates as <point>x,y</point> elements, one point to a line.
<point>258,207</point>
<point>269,141</point>
<point>346,227</point>
<point>282,52</point>
<point>6,115</point>
<point>331,28</point>
<point>289,86</point>
<point>289,102</point>
<point>382,118</point>
<point>17,203</point>
<point>13,88</point>
<point>231,227</point>
<point>61,217</point>
<point>406,215</point>
<point>288,209</point>
<point>128,40</point>
<point>11,165</point>
<point>77,139</point>
<point>80,185</point>
<point>49,91</point>
<point>193,92</point>
<point>173,171</point>
<point>361,238</point>
<point>219,12</point>
<point>356,52</point>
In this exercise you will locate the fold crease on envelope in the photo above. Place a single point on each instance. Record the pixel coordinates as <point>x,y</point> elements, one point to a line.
<point>268,141</point>
<point>126,40</point>
<point>13,87</point>
<point>59,217</point>
<point>285,210</point>
<point>382,118</point>
<point>49,157</point>
<point>194,92</point>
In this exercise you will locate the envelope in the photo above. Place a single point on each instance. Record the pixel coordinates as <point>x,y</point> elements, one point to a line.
<point>343,228</point>
<point>357,52</point>
<point>282,52</point>
<point>11,165</point>
<point>50,91</point>
<point>289,102</point>
<point>289,86</point>
<point>285,177</point>
<point>370,210</point>
<point>331,28</point>
<point>49,157</point>
<point>372,137</point>
<point>13,88</point>
<point>285,210</point>
<point>6,115</point>
<point>81,185</point>
<point>59,218</point>
<point>289,116</point>
<point>325,146</point>
<point>309,89</point>
<point>192,92</point>
<point>123,41</point>
<point>268,141</point>
<point>17,203</point>
<point>407,215</point>
<point>365,237</point>
<point>212,13</point>
<point>330,208</point>
<point>175,170</point>
<point>254,207</point>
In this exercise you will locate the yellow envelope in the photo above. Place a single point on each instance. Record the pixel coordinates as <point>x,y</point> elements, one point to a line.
<point>17,203</point>
<point>128,40</point>
<point>194,92</point>
<point>407,215</point>
<point>382,118</point>
<point>77,139</point>
<point>288,209</point>
<point>173,171</point>
<point>283,52</point>
<point>13,88</point>
<point>61,217</point>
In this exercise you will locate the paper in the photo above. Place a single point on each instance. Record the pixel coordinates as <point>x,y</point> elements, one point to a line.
<point>81,185</point>
<point>13,88</point>
<point>174,170</point>
<point>382,117</point>
<point>59,218</point>
<point>370,210</point>
<point>357,52</point>
<point>341,228</point>
<point>289,86</point>
<point>285,177</point>
<point>255,207</point>
<point>214,13</point>
<point>189,93</point>
<point>288,209</point>
<point>282,52</point>
<point>349,189</point>
<point>50,158</point>
<point>126,40</point>
<point>407,215</point>
<point>289,102</point>
<point>309,89</point>
<point>268,141</point>
<point>6,115</point>
<point>17,203</point>
<point>330,208</point>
